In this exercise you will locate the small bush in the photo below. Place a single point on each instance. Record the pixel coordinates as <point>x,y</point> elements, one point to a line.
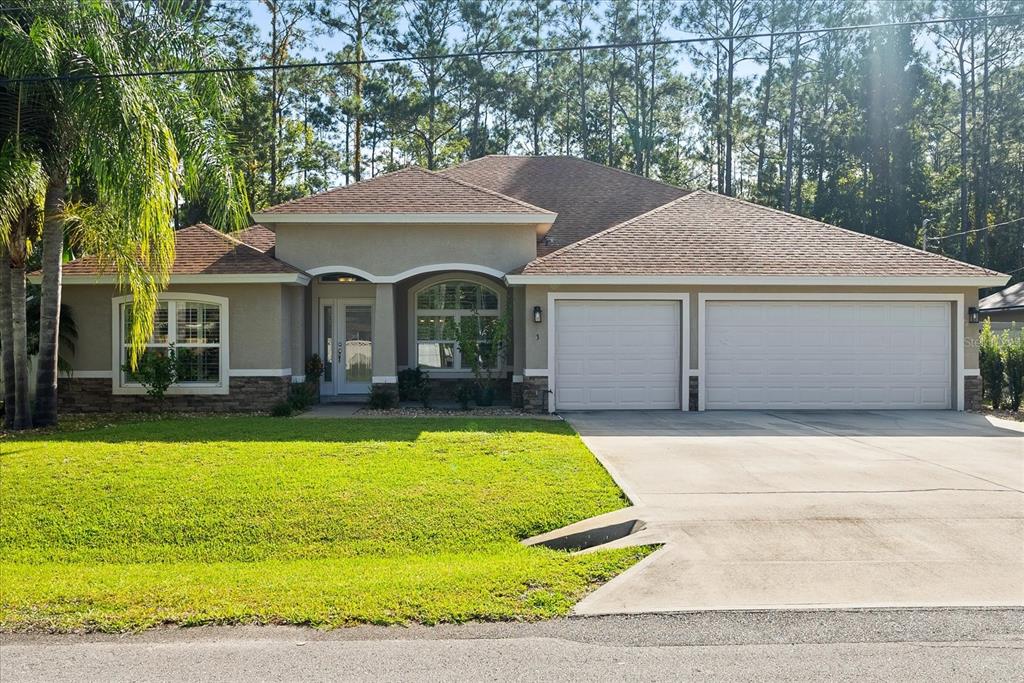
<point>425,391</point>
<point>411,383</point>
<point>281,409</point>
<point>990,359</point>
<point>464,394</point>
<point>1013,362</point>
<point>301,396</point>
<point>155,371</point>
<point>382,397</point>
<point>314,369</point>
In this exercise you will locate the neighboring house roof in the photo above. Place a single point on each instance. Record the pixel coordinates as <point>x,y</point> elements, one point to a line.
<point>1008,299</point>
<point>259,237</point>
<point>199,250</point>
<point>411,190</point>
<point>588,197</point>
<point>708,234</point>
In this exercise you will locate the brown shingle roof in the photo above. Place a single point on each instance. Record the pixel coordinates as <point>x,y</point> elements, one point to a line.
<point>588,197</point>
<point>1009,298</point>
<point>410,190</point>
<point>705,233</point>
<point>259,237</point>
<point>201,250</point>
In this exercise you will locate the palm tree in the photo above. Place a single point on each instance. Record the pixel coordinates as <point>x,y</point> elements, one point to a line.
<point>116,151</point>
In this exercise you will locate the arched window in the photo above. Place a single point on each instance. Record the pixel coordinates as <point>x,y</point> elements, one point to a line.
<point>439,308</point>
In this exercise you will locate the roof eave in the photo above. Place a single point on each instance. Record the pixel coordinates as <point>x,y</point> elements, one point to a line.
<point>541,220</point>
<point>776,280</point>
<point>192,278</point>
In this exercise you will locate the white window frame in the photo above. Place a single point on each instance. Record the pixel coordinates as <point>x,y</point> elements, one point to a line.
<point>457,313</point>
<point>119,386</point>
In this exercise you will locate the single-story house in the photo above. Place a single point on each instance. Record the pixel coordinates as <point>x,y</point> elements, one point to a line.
<point>623,293</point>
<point>1005,308</point>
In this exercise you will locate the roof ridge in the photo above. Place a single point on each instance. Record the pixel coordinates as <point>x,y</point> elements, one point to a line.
<point>485,190</point>
<point>226,237</point>
<point>613,228</point>
<point>339,188</point>
<point>849,231</point>
<point>238,243</point>
<point>574,158</point>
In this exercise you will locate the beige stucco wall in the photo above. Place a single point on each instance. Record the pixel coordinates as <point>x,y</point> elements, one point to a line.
<point>260,323</point>
<point>536,356</point>
<point>386,249</point>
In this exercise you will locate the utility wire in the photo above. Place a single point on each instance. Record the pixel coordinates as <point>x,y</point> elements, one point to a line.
<point>503,53</point>
<point>968,232</point>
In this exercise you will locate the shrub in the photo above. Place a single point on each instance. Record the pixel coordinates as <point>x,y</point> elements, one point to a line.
<point>155,371</point>
<point>314,369</point>
<point>301,396</point>
<point>410,383</point>
<point>482,342</point>
<point>382,397</point>
<point>990,360</point>
<point>281,409</point>
<point>1013,361</point>
<point>464,394</point>
<point>425,391</point>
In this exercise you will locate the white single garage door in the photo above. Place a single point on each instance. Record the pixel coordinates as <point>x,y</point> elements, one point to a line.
<point>616,355</point>
<point>827,354</point>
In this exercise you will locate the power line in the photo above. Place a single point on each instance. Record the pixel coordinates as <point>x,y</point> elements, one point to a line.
<point>503,53</point>
<point>968,232</point>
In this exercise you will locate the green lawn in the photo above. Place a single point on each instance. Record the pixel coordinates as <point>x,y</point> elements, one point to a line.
<point>325,522</point>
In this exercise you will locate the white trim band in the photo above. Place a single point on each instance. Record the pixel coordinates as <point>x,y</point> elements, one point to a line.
<point>972,372</point>
<point>437,217</point>
<point>384,379</point>
<point>768,280</point>
<point>259,372</point>
<point>517,379</point>
<point>198,279</point>
<point>89,374</point>
<point>418,270</point>
<point>539,372</point>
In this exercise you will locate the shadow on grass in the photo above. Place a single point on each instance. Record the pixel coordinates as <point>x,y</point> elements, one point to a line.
<point>178,429</point>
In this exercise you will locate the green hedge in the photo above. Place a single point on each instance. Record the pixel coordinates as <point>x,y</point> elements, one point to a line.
<point>1001,359</point>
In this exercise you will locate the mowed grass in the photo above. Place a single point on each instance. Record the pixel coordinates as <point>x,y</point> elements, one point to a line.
<point>322,522</point>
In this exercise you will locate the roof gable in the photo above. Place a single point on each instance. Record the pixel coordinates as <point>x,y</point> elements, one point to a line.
<point>588,197</point>
<point>708,234</point>
<point>411,190</point>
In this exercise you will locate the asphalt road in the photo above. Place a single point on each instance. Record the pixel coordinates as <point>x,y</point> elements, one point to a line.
<point>933,644</point>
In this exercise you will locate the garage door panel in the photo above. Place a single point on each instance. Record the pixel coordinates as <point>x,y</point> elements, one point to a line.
<point>827,354</point>
<point>620,355</point>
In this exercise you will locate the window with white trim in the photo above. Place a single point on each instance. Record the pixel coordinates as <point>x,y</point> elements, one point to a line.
<point>439,309</point>
<point>193,328</point>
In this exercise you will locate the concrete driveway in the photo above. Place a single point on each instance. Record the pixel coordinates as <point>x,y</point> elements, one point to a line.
<point>813,509</point>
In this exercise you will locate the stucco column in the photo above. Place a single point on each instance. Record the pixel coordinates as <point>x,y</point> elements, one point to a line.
<point>385,358</point>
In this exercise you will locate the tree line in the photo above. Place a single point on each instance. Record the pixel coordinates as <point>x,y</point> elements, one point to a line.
<point>874,130</point>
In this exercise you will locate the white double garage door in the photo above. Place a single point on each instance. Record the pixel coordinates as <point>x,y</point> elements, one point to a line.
<point>757,355</point>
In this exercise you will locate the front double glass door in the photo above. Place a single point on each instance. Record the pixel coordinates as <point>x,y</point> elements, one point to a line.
<point>346,346</point>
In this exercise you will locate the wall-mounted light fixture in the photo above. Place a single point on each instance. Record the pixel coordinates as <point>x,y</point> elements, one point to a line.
<point>972,315</point>
<point>538,314</point>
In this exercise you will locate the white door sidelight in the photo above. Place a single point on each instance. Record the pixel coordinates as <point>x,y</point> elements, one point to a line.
<point>844,354</point>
